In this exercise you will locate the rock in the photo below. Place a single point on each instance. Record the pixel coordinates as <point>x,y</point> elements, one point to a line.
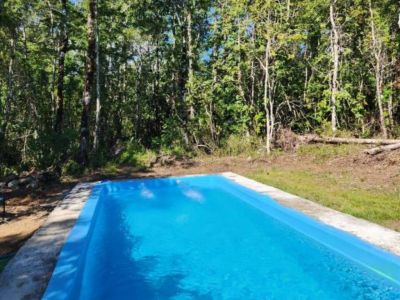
<point>10,177</point>
<point>33,185</point>
<point>26,180</point>
<point>13,184</point>
<point>24,174</point>
<point>47,176</point>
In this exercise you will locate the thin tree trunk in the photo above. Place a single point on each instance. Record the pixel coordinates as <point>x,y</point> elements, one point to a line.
<point>96,140</point>
<point>267,99</point>
<point>378,53</point>
<point>335,63</point>
<point>88,87</point>
<point>239,74</point>
<point>54,66</point>
<point>253,79</point>
<point>287,10</point>
<point>306,75</point>
<point>190,61</point>
<point>10,90</point>
<point>252,70</point>
<point>211,104</point>
<point>390,108</point>
<point>63,48</point>
<point>30,89</point>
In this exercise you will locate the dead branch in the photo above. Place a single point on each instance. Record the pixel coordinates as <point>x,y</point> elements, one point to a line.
<point>374,151</point>
<point>337,140</point>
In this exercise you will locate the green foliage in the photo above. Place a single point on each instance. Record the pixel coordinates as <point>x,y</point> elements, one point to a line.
<point>131,155</point>
<point>240,145</point>
<point>48,148</point>
<point>72,168</point>
<point>135,155</point>
<point>172,92</point>
<point>110,169</point>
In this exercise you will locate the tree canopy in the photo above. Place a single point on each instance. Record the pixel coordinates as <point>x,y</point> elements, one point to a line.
<point>79,78</point>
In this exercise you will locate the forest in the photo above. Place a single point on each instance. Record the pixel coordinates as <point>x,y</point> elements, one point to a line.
<point>82,79</point>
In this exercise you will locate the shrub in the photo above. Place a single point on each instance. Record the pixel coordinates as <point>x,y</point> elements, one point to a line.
<point>135,155</point>
<point>240,145</point>
<point>72,168</point>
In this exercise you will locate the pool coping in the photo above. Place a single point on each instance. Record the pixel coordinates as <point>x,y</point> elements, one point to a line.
<point>375,234</point>
<point>27,274</point>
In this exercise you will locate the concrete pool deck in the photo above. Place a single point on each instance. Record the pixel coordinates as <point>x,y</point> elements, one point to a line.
<point>26,276</point>
<point>28,272</point>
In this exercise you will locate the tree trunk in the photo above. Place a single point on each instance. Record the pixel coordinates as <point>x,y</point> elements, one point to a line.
<point>377,150</point>
<point>252,70</point>
<point>30,88</point>
<point>88,87</point>
<point>335,63</point>
<point>63,48</point>
<point>54,58</point>
<point>335,140</point>
<point>96,140</point>
<point>267,99</point>
<point>10,90</point>
<point>305,86</point>
<point>190,62</point>
<point>287,10</point>
<point>210,111</point>
<point>379,68</point>
<point>239,73</point>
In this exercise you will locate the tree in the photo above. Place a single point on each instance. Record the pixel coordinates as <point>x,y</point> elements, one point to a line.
<point>63,48</point>
<point>90,68</point>
<point>378,51</point>
<point>335,36</point>
<point>182,75</point>
<point>96,139</point>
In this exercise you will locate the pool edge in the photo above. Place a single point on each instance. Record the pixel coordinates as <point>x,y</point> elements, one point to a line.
<point>372,233</point>
<point>27,274</point>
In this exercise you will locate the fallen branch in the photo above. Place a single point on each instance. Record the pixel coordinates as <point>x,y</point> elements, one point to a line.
<point>374,151</point>
<point>337,140</point>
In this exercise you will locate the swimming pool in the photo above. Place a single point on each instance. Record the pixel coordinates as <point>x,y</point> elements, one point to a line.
<point>206,237</point>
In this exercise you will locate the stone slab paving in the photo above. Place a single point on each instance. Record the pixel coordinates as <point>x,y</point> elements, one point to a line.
<point>27,274</point>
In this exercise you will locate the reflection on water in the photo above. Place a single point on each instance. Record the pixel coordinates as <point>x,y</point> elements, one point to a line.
<point>179,246</point>
<point>194,195</point>
<point>145,192</point>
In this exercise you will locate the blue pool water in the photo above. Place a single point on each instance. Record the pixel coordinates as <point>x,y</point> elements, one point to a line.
<point>205,237</point>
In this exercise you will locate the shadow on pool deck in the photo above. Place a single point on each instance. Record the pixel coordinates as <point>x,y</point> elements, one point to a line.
<point>26,275</point>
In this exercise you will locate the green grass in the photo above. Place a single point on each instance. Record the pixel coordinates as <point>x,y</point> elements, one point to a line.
<point>322,152</point>
<point>3,263</point>
<point>381,207</point>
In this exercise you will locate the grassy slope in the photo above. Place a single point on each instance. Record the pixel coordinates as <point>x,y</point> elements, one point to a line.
<point>335,189</point>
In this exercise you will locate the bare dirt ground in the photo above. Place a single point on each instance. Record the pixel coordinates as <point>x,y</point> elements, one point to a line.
<point>26,212</point>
